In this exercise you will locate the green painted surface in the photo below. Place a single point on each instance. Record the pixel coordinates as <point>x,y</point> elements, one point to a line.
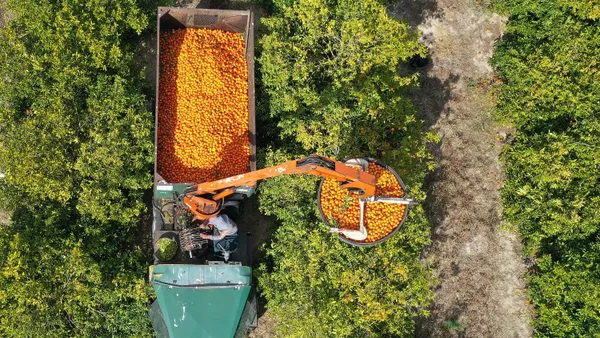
<point>166,190</point>
<point>201,300</point>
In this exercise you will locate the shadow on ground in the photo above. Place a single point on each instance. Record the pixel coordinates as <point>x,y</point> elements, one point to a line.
<point>413,11</point>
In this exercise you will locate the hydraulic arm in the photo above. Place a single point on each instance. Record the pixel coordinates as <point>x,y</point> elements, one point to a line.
<point>206,199</point>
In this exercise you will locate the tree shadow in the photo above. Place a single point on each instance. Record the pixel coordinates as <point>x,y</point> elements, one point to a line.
<point>262,229</point>
<point>413,11</point>
<point>432,99</point>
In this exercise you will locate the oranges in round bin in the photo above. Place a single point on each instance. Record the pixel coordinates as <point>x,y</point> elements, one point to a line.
<point>342,207</point>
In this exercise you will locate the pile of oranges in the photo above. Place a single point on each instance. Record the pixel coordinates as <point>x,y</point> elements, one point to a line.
<point>342,207</point>
<point>203,106</point>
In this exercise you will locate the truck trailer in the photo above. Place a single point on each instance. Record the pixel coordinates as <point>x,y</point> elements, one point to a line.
<point>198,293</point>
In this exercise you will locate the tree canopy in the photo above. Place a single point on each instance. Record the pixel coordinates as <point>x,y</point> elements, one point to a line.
<point>548,61</point>
<point>77,154</point>
<point>335,83</point>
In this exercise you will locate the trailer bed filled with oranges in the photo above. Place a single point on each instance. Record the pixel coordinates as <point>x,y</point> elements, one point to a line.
<point>205,128</point>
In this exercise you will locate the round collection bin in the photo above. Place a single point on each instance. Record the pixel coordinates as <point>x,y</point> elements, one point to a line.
<point>381,240</point>
<point>172,235</point>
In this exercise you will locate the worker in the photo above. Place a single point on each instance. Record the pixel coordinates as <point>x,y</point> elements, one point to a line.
<point>224,235</point>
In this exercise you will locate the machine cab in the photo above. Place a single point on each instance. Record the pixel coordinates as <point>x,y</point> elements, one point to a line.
<point>198,292</point>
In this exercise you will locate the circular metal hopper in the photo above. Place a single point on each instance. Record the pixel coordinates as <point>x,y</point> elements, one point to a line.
<point>400,221</point>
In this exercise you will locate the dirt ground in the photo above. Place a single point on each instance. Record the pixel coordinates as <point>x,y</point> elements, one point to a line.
<point>2,20</point>
<point>478,261</point>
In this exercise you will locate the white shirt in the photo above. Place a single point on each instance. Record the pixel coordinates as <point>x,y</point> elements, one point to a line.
<point>224,225</point>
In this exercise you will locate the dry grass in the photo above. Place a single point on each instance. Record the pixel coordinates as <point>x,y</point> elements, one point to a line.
<point>4,217</point>
<point>266,327</point>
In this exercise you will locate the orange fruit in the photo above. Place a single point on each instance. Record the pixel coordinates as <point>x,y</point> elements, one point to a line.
<point>202,106</point>
<point>342,207</point>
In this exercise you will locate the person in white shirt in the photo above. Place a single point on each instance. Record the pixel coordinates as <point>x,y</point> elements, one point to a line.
<point>224,235</point>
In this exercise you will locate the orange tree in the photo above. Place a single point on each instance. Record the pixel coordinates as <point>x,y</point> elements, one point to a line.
<point>54,283</point>
<point>77,153</point>
<point>549,61</point>
<point>331,72</point>
<point>75,128</point>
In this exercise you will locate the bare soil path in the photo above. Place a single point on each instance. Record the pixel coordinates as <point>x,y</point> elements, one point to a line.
<point>477,261</point>
<point>4,215</point>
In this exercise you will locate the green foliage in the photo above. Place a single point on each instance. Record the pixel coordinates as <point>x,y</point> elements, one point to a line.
<point>113,165</point>
<point>167,248</point>
<point>567,295</point>
<point>74,123</point>
<point>331,72</point>
<point>549,64</point>
<point>77,152</point>
<point>551,191</point>
<point>52,287</point>
<point>331,288</point>
<point>453,325</point>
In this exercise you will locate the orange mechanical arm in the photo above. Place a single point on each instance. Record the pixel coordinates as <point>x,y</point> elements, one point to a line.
<point>349,178</point>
